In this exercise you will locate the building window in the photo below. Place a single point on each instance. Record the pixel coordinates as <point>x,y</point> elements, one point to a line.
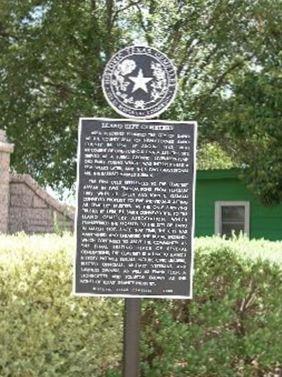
<point>232,217</point>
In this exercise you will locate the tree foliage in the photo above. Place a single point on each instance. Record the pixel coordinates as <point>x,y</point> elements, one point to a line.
<point>212,156</point>
<point>53,55</point>
<point>252,120</point>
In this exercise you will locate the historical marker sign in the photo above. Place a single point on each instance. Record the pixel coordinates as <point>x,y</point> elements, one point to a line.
<point>135,213</point>
<point>139,82</point>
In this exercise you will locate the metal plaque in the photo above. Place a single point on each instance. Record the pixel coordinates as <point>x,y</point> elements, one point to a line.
<point>135,208</point>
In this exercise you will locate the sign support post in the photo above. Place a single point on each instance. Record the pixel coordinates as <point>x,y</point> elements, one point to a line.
<point>132,316</point>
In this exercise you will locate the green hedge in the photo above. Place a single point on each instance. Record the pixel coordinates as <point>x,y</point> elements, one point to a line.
<point>44,330</point>
<point>232,327</point>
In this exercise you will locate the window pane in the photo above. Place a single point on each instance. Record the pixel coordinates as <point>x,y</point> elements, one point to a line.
<point>232,214</point>
<point>228,229</point>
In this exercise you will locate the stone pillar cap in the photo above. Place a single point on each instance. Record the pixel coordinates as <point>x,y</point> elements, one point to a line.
<point>4,145</point>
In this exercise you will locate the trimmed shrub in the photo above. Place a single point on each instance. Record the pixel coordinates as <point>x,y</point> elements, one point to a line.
<point>44,330</point>
<point>232,327</point>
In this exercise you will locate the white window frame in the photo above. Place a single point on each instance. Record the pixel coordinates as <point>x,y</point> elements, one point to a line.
<point>218,217</point>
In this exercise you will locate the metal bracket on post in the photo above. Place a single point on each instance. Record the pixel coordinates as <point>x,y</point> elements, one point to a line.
<point>132,317</point>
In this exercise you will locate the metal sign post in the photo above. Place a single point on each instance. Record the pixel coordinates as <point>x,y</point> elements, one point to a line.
<point>131,338</point>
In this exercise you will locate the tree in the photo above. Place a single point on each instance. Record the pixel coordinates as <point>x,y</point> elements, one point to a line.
<point>251,127</point>
<point>53,55</point>
<point>211,156</point>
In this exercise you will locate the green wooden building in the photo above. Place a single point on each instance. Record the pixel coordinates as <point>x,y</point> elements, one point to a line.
<point>224,205</point>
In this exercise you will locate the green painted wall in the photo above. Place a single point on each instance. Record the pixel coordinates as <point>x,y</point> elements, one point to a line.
<point>220,185</point>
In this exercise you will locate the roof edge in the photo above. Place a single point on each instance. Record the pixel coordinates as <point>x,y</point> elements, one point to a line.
<point>219,173</point>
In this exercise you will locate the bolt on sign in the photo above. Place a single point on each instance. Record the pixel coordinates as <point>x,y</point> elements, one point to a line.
<point>136,186</point>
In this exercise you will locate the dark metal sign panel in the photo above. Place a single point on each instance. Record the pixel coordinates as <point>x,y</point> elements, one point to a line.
<point>139,82</point>
<point>135,208</point>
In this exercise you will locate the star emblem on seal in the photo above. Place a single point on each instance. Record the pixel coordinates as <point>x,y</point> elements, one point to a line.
<point>139,82</point>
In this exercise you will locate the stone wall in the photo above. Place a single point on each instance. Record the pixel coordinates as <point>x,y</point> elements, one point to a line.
<point>33,210</point>
<point>24,205</point>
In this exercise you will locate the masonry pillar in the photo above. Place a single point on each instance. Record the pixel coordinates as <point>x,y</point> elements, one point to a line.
<point>5,150</point>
